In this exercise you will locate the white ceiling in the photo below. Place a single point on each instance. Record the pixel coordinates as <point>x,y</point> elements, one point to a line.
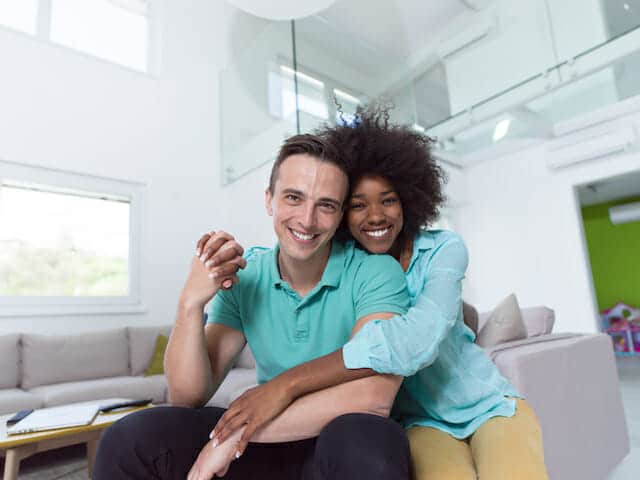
<point>374,34</point>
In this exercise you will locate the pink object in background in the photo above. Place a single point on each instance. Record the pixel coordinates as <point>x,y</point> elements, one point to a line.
<point>634,330</point>
<point>622,323</point>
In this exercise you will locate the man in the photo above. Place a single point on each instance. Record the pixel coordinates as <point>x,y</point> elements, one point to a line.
<point>294,303</point>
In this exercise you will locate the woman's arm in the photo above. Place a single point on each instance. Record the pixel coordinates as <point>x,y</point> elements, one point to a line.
<point>407,343</point>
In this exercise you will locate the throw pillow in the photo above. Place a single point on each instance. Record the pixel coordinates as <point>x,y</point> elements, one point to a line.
<point>156,367</point>
<point>503,324</point>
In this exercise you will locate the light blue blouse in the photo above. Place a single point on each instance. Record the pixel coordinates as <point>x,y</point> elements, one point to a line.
<point>450,384</point>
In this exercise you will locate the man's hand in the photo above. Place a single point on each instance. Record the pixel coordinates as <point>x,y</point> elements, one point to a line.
<point>214,460</point>
<point>252,410</point>
<point>219,257</point>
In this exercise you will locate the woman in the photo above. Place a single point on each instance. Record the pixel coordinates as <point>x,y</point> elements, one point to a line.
<point>464,419</point>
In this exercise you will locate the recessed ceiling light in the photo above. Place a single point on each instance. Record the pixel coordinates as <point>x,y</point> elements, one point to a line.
<point>502,128</point>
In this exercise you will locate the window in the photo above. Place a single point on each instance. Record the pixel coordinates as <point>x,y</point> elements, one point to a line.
<point>19,15</point>
<point>316,97</point>
<point>63,246</point>
<point>119,31</point>
<point>311,96</point>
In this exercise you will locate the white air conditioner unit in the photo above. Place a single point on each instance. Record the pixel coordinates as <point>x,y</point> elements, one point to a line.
<point>591,146</point>
<point>629,212</point>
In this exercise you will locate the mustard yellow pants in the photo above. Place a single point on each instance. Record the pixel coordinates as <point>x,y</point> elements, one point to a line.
<point>503,448</point>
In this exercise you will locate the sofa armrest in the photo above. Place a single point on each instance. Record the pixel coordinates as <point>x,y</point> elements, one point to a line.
<point>572,385</point>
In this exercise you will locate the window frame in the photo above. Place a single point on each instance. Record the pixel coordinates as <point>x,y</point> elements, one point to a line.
<point>67,305</point>
<point>154,31</point>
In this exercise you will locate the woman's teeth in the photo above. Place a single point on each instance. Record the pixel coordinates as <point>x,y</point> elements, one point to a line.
<point>377,233</point>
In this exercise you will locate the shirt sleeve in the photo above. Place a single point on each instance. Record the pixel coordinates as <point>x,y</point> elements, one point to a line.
<point>224,309</point>
<point>410,342</point>
<point>380,287</point>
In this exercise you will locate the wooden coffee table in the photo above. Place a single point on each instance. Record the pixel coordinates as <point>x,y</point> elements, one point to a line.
<point>17,447</point>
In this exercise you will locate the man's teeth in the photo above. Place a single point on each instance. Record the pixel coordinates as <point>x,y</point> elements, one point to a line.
<point>301,236</point>
<point>377,233</point>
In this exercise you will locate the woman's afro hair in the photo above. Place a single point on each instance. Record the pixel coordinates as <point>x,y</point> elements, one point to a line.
<point>370,145</point>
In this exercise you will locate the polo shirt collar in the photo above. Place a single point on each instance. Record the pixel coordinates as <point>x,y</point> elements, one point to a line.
<point>332,272</point>
<point>421,243</point>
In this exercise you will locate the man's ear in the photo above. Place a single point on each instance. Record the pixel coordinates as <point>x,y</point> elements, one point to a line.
<point>267,201</point>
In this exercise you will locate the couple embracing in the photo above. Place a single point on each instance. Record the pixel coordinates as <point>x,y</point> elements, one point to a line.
<point>365,366</point>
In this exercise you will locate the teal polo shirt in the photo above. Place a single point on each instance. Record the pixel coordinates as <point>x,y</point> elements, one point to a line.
<point>284,329</point>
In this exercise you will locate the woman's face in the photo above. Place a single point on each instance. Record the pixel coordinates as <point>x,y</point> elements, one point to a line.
<point>374,214</point>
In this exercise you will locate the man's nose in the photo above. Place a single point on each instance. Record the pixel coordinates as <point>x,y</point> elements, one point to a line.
<point>308,218</point>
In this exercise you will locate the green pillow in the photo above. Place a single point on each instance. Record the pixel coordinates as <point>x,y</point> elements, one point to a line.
<point>156,366</point>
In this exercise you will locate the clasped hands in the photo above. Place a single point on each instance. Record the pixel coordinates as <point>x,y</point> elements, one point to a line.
<point>245,417</point>
<point>216,264</point>
<point>220,256</point>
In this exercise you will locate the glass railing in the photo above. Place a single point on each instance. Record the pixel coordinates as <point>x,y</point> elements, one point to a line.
<point>546,103</point>
<point>511,72</point>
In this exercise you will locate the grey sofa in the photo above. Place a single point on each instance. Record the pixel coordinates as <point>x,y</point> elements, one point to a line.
<point>44,371</point>
<point>570,380</point>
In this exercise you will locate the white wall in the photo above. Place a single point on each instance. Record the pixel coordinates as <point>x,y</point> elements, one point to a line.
<point>68,111</point>
<point>524,233</point>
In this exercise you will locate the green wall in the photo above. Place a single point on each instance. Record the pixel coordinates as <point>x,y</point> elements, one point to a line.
<point>614,252</point>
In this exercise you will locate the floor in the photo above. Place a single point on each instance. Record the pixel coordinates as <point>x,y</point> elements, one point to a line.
<point>629,372</point>
<point>70,463</point>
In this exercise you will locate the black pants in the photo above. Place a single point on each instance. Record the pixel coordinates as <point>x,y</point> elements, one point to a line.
<point>164,442</point>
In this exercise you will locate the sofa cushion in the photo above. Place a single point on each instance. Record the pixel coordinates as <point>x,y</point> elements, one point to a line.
<point>156,366</point>
<point>154,387</point>
<point>142,341</point>
<point>503,324</point>
<point>238,380</point>
<point>538,320</point>
<point>49,359</point>
<point>10,360</point>
<point>14,399</point>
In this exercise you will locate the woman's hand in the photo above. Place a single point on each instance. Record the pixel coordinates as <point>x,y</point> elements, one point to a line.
<point>215,460</point>
<point>250,412</point>
<point>222,257</point>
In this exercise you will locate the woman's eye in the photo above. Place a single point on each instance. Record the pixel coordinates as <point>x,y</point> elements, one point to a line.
<point>356,206</point>
<point>389,201</point>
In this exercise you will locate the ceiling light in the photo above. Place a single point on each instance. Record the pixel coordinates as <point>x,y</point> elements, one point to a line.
<point>628,212</point>
<point>501,130</point>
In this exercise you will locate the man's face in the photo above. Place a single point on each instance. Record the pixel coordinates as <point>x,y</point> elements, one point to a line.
<point>306,206</point>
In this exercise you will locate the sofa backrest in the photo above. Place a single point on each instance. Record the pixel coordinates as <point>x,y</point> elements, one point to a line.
<point>9,360</point>
<point>142,342</point>
<point>537,320</point>
<point>48,359</point>
<point>245,359</point>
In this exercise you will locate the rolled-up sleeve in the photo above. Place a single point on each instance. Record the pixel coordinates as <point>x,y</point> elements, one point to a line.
<point>407,343</point>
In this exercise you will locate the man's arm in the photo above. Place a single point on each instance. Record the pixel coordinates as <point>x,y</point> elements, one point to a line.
<point>197,357</point>
<point>322,399</point>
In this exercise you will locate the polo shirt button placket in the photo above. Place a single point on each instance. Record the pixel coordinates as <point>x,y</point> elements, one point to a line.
<point>302,329</point>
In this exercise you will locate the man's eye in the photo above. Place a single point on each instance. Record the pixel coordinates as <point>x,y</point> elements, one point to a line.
<point>293,198</point>
<point>330,207</point>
